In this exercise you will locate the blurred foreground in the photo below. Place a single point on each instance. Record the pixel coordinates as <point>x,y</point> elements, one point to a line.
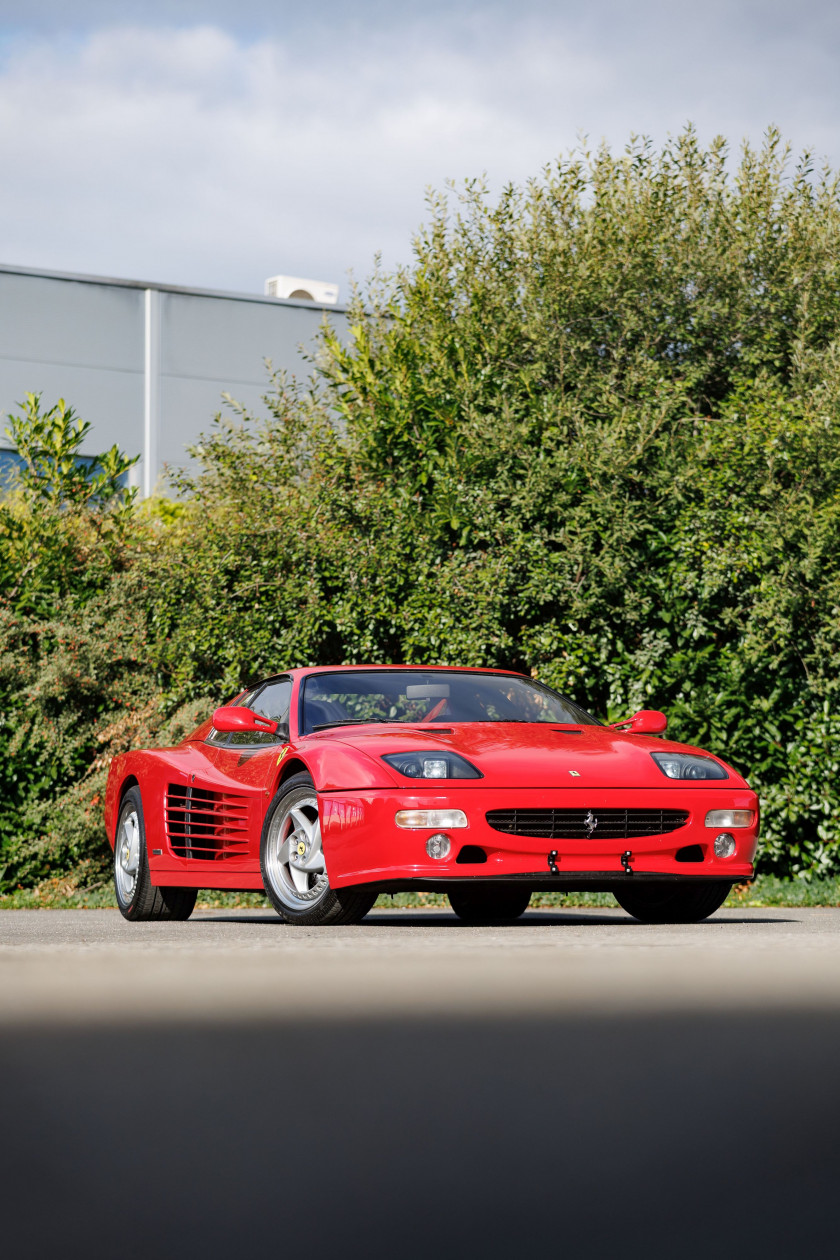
<point>410,1087</point>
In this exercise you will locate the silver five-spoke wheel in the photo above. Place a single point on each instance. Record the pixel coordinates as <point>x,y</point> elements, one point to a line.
<point>127,856</point>
<point>293,865</point>
<point>294,856</point>
<point>137,897</point>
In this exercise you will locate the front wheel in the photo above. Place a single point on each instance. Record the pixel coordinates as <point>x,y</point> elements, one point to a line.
<point>667,903</point>
<point>137,897</point>
<point>484,904</point>
<point>293,866</point>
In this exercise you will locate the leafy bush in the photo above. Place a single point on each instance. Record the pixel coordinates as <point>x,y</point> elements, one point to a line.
<point>77,673</point>
<point>591,433</point>
<point>63,527</point>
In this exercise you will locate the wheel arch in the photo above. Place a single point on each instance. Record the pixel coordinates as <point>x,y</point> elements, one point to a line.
<point>121,777</point>
<point>291,766</point>
<point>127,784</point>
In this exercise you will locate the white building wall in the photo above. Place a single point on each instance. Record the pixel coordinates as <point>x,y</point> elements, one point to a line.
<point>146,364</point>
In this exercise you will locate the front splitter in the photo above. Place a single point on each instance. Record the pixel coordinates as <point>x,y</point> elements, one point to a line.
<point>570,881</point>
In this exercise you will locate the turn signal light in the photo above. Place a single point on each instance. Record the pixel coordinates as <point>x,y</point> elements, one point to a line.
<point>437,818</point>
<point>729,818</point>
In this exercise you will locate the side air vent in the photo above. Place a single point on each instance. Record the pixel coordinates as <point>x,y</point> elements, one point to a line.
<point>587,824</point>
<point>209,826</point>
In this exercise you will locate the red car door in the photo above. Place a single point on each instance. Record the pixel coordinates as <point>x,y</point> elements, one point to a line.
<point>225,801</point>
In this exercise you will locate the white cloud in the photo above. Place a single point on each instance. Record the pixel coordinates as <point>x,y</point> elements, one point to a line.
<point>196,156</point>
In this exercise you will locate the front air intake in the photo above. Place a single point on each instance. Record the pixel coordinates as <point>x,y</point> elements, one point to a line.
<point>471,855</point>
<point>587,824</point>
<point>209,826</point>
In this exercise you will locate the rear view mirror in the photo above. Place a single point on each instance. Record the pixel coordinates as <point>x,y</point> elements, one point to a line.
<point>232,717</point>
<point>645,722</point>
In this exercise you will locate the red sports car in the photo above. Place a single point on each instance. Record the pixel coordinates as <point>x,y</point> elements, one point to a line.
<point>328,786</point>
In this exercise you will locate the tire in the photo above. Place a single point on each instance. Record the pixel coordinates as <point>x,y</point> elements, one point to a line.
<point>482,903</point>
<point>666,903</point>
<point>293,865</point>
<point>137,897</point>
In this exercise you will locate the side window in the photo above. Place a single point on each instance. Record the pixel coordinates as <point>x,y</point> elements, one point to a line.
<point>224,737</point>
<point>272,702</point>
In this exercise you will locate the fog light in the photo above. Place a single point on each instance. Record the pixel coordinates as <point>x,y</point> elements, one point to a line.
<point>729,818</point>
<point>430,818</point>
<point>438,846</point>
<point>724,845</point>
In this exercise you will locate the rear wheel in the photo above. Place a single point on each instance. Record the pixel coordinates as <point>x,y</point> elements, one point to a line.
<point>137,897</point>
<point>667,903</point>
<point>293,866</point>
<point>482,903</point>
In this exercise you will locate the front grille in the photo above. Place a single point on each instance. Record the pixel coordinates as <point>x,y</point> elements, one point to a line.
<point>576,824</point>
<point>204,824</point>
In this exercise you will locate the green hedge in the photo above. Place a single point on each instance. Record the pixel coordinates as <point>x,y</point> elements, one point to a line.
<point>590,433</point>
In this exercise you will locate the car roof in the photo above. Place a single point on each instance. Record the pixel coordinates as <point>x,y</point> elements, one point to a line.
<point>305,670</point>
<point>473,669</point>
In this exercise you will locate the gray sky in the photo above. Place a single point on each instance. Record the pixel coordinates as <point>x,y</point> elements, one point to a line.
<point>214,144</point>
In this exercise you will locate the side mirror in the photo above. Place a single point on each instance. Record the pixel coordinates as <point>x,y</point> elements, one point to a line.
<point>233,718</point>
<point>645,722</point>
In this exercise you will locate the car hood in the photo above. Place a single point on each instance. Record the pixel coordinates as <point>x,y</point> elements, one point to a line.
<point>539,755</point>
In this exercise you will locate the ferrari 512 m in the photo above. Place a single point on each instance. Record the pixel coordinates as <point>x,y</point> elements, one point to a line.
<point>328,786</point>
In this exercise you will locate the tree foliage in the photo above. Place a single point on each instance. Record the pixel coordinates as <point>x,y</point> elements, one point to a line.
<point>77,677</point>
<point>64,523</point>
<point>590,432</point>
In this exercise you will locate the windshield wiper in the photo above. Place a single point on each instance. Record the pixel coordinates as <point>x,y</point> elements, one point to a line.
<point>322,726</point>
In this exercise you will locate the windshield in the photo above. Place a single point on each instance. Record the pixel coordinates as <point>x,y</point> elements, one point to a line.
<point>413,696</point>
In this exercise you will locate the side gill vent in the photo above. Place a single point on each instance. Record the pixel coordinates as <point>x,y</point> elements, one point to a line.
<point>209,826</point>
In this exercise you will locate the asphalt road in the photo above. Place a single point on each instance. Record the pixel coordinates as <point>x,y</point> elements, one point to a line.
<point>574,1083</point>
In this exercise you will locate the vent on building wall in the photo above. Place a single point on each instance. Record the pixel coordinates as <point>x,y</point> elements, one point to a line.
<point>297,287</point>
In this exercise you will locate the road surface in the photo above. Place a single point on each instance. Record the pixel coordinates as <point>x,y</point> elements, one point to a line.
<point>575,1083</point>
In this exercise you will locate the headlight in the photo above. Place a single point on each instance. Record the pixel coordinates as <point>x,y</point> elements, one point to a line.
<point>432,765</point>
<point>688,766</point>
<point>729,818</point>
<point>437,818</point>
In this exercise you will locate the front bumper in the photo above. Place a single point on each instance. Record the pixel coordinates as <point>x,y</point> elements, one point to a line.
<point>363,845</point>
